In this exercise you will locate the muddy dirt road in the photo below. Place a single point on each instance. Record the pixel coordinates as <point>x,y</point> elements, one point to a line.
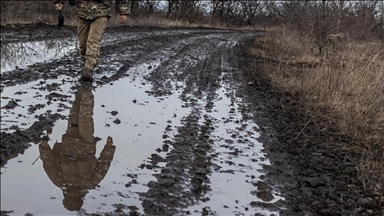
<point>177,105</point>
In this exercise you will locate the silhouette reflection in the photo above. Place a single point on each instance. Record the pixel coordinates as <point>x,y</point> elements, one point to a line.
<point>72,165</point>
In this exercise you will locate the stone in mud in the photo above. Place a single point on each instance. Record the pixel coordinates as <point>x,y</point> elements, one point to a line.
<point>157,158</point>
<point>151,184</point>
<point>11,105</point>
<point>261,185</point>
<point>266,196</point>
<point>133,208</point>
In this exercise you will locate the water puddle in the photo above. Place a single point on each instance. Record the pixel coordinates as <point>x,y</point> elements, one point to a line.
<point>241,160</point>
<point>237,184</point>
<point>31,101</point>
<point>136,129</point>
<point>22,54</point>
<point>46,182</point>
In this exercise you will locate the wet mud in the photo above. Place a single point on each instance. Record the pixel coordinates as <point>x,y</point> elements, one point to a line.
<point>192,136</point>
<point>310,157</point>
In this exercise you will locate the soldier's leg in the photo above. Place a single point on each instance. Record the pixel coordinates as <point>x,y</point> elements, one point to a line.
<point>86,124</point>
<point>96,32</point>
<point>83,26</point>
<point>73,120</point>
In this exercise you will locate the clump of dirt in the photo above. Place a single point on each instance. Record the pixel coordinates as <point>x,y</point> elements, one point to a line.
<point>33,108</point>
<point>11,105</point>
<point>114,113</point>
<point>5,213</point>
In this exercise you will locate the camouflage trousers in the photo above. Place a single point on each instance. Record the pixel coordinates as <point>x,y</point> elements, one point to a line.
<point>90,33</point>
<point>81,114</point>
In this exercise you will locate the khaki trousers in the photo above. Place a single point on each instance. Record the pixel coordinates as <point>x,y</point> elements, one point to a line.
<point>82,115</point>
<point>90,33</point>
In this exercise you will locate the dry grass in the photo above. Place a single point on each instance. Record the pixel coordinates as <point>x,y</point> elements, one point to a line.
<point>20,17</point>
<point>150,21</point>
<point>160,21</point>
<point>346,80</point>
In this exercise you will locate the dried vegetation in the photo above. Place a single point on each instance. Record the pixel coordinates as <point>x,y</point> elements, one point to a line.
<point>344,83</point>
<point>331,53</point>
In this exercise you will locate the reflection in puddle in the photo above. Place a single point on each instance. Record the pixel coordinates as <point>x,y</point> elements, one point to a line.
<point>136,134</point>
<point>71,164</point>
<point>22,54</point>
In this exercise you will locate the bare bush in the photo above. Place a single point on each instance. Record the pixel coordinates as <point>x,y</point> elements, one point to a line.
<point>27,12</point>
<point>362,20</point>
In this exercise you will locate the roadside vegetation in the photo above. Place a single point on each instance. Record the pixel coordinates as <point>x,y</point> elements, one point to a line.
<point>329,53</point>
<point>344,84</point>
<point>333,59</point>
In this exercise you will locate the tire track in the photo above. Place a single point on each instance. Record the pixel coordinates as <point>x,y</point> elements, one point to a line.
<point>184,181</point>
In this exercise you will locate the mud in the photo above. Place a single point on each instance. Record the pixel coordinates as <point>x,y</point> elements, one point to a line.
<point>206,141</point>
<point>310,158</point>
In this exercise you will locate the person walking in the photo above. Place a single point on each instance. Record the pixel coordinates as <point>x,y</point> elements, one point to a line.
<point>91,24</point>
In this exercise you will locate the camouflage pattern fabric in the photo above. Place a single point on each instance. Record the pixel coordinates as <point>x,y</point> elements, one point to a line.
<point>71,165</point>
<point>92,18</point>
<point>90,34</point>
<point>92,9</point>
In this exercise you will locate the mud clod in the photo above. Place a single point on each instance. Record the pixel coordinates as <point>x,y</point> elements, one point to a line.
<point>11,105</point>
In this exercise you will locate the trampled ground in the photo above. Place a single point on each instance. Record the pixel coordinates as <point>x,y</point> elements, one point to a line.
<point>197,130</point>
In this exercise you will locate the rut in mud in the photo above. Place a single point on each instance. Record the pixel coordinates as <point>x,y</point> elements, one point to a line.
<point>190,134</point>
<point>172,102</point>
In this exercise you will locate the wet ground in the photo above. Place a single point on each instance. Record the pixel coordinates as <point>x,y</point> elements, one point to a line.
<point>196,130</point>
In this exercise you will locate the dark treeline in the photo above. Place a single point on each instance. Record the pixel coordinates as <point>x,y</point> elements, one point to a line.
<point>359,19</point>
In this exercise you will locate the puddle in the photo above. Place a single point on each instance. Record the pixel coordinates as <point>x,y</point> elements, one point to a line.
<point>137,122</point>
<point>240,160</point>
<point>22,54</point>
<point>31,94</point>
<point>142,122</point>
<point>143,119</point>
